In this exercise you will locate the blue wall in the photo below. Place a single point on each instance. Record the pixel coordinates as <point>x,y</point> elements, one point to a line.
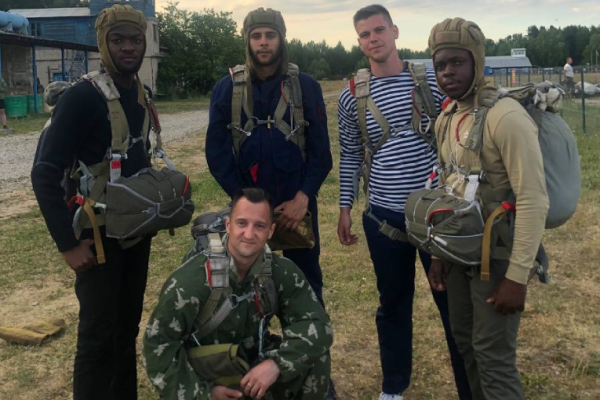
<point>79,30</point>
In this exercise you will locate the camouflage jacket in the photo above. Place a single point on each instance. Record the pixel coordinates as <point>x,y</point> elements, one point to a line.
<point>306,328</point>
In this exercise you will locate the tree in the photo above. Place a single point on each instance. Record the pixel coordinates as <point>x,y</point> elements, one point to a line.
<point>201,47</point>
<point>591,53</point>
<point>319,69</point>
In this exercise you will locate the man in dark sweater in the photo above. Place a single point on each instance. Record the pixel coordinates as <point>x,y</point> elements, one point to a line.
<point>111,294</point>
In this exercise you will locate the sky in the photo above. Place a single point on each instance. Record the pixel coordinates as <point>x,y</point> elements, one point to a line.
<point>331,21</point>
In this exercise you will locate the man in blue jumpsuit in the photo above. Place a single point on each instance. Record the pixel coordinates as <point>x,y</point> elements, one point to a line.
<point>267,157</point>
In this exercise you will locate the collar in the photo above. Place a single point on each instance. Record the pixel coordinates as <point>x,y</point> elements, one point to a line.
<point>466,104</point>
<point>254,271</point>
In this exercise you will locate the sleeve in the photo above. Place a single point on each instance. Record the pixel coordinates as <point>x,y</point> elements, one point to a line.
<point>351,149</point>
<point>170,325</point>
<point>219,142</point>
<point>56,153</point>
<point>307,332</point>
<point>318,151</point>
<point>516,138</point>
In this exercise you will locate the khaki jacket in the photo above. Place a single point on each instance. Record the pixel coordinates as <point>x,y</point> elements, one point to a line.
<point>512,159</point>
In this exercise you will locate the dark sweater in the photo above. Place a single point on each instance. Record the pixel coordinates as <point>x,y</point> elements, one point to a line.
<point>80,130</point>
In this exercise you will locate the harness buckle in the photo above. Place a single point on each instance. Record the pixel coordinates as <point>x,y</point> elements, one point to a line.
<point>239,128</point>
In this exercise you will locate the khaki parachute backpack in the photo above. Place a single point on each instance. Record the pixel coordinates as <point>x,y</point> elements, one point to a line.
<point>473,230</point>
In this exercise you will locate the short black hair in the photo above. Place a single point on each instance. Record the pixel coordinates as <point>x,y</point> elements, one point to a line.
<point>254,196</point>
<point>369,11</point>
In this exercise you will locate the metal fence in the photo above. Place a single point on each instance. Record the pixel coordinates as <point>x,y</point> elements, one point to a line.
<point>580,110</point>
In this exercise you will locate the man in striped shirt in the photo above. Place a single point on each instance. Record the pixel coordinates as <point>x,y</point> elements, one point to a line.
<point>401,166</point>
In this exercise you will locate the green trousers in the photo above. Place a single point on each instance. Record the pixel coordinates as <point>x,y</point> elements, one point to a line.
<point>487,340</point>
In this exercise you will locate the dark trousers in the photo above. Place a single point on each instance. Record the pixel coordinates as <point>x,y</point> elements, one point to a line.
<point>487,340</point>
<point>394,264</point>
<point>308,259</point>
<point>110,300</point>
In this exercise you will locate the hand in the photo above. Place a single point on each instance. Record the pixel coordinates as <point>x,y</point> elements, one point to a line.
<point>81,257</point>
<point>224,393</point>
<point>347,238</point>
<point>508,297</point>
<point>259,379</point>
<point>292,211</point>
<point>437,275</point>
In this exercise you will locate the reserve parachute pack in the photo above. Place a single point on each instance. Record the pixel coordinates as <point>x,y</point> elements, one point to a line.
<point>423,102</point>
<point>225,363</point>
<point>291,97</point>
<point>479,227</point>
<point>129,208</point>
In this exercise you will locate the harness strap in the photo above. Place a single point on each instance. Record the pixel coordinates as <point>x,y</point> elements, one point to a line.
<point>487,239</point>
<point>87,207</point>
<point>422,100</point>
<point>264,291</point>
<point>387,229</point>
<point>291,97</point>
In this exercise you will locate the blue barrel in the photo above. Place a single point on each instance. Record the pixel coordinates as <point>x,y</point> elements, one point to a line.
<point>16,106</point>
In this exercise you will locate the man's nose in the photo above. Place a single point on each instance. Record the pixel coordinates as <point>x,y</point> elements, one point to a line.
<point>127,45</point>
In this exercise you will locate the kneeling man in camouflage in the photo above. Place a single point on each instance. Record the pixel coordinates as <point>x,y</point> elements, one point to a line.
<point>208,337</point>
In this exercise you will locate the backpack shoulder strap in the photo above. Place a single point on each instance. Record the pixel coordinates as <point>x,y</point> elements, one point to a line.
<point>291,97</point>
<point>241,100</point>
<point>116,115</point>
<point>423,100</point>
<point>264,286</point>
<point>361,90</point>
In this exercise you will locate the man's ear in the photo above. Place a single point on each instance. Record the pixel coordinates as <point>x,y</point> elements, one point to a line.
<point>396,32</point>
<point>227,223</point>
<point>272,230</point>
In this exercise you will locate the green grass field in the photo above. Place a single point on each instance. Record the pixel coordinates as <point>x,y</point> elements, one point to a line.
<point>559,353</point>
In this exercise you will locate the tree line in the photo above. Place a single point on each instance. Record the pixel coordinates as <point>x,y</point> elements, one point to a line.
<point>201,46</point>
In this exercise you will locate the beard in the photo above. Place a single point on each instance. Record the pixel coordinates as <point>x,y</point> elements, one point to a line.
<point>274,59</point>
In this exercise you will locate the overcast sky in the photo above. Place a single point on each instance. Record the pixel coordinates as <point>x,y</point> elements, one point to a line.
<point>332,20</point>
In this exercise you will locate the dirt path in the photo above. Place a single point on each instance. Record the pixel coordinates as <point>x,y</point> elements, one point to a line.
<point>18,152</point>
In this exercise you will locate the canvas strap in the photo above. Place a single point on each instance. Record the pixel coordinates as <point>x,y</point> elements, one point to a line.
<point>212,315</point>
<point>242,100</point>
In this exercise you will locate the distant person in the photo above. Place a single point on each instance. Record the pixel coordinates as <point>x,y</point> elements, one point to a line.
<point>40,87</point>
<point>568,76</point>
<point>3,89</point>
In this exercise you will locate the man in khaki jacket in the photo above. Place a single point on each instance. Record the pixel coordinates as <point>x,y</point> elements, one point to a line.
<point>485,315</point>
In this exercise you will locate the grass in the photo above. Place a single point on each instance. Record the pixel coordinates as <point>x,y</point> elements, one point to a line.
<point>559,353</point>
<point>31,123</point>
<point>182,105</point>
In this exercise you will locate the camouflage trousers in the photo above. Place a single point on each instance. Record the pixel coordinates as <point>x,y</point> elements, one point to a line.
<point>311,386</point>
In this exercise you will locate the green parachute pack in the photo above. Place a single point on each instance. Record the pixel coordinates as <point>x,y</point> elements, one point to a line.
<point>471,232</point>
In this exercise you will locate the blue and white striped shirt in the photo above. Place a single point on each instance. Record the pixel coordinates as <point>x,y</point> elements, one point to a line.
<point>404,162</point>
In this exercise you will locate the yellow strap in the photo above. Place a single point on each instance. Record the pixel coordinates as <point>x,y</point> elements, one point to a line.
<point>87,207</point>
<point>487,242</point>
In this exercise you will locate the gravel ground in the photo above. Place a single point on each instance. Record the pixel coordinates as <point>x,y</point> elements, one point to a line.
<point>18,150</point>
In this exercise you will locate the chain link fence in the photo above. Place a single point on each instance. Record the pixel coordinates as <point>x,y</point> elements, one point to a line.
<point>581,109</point>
